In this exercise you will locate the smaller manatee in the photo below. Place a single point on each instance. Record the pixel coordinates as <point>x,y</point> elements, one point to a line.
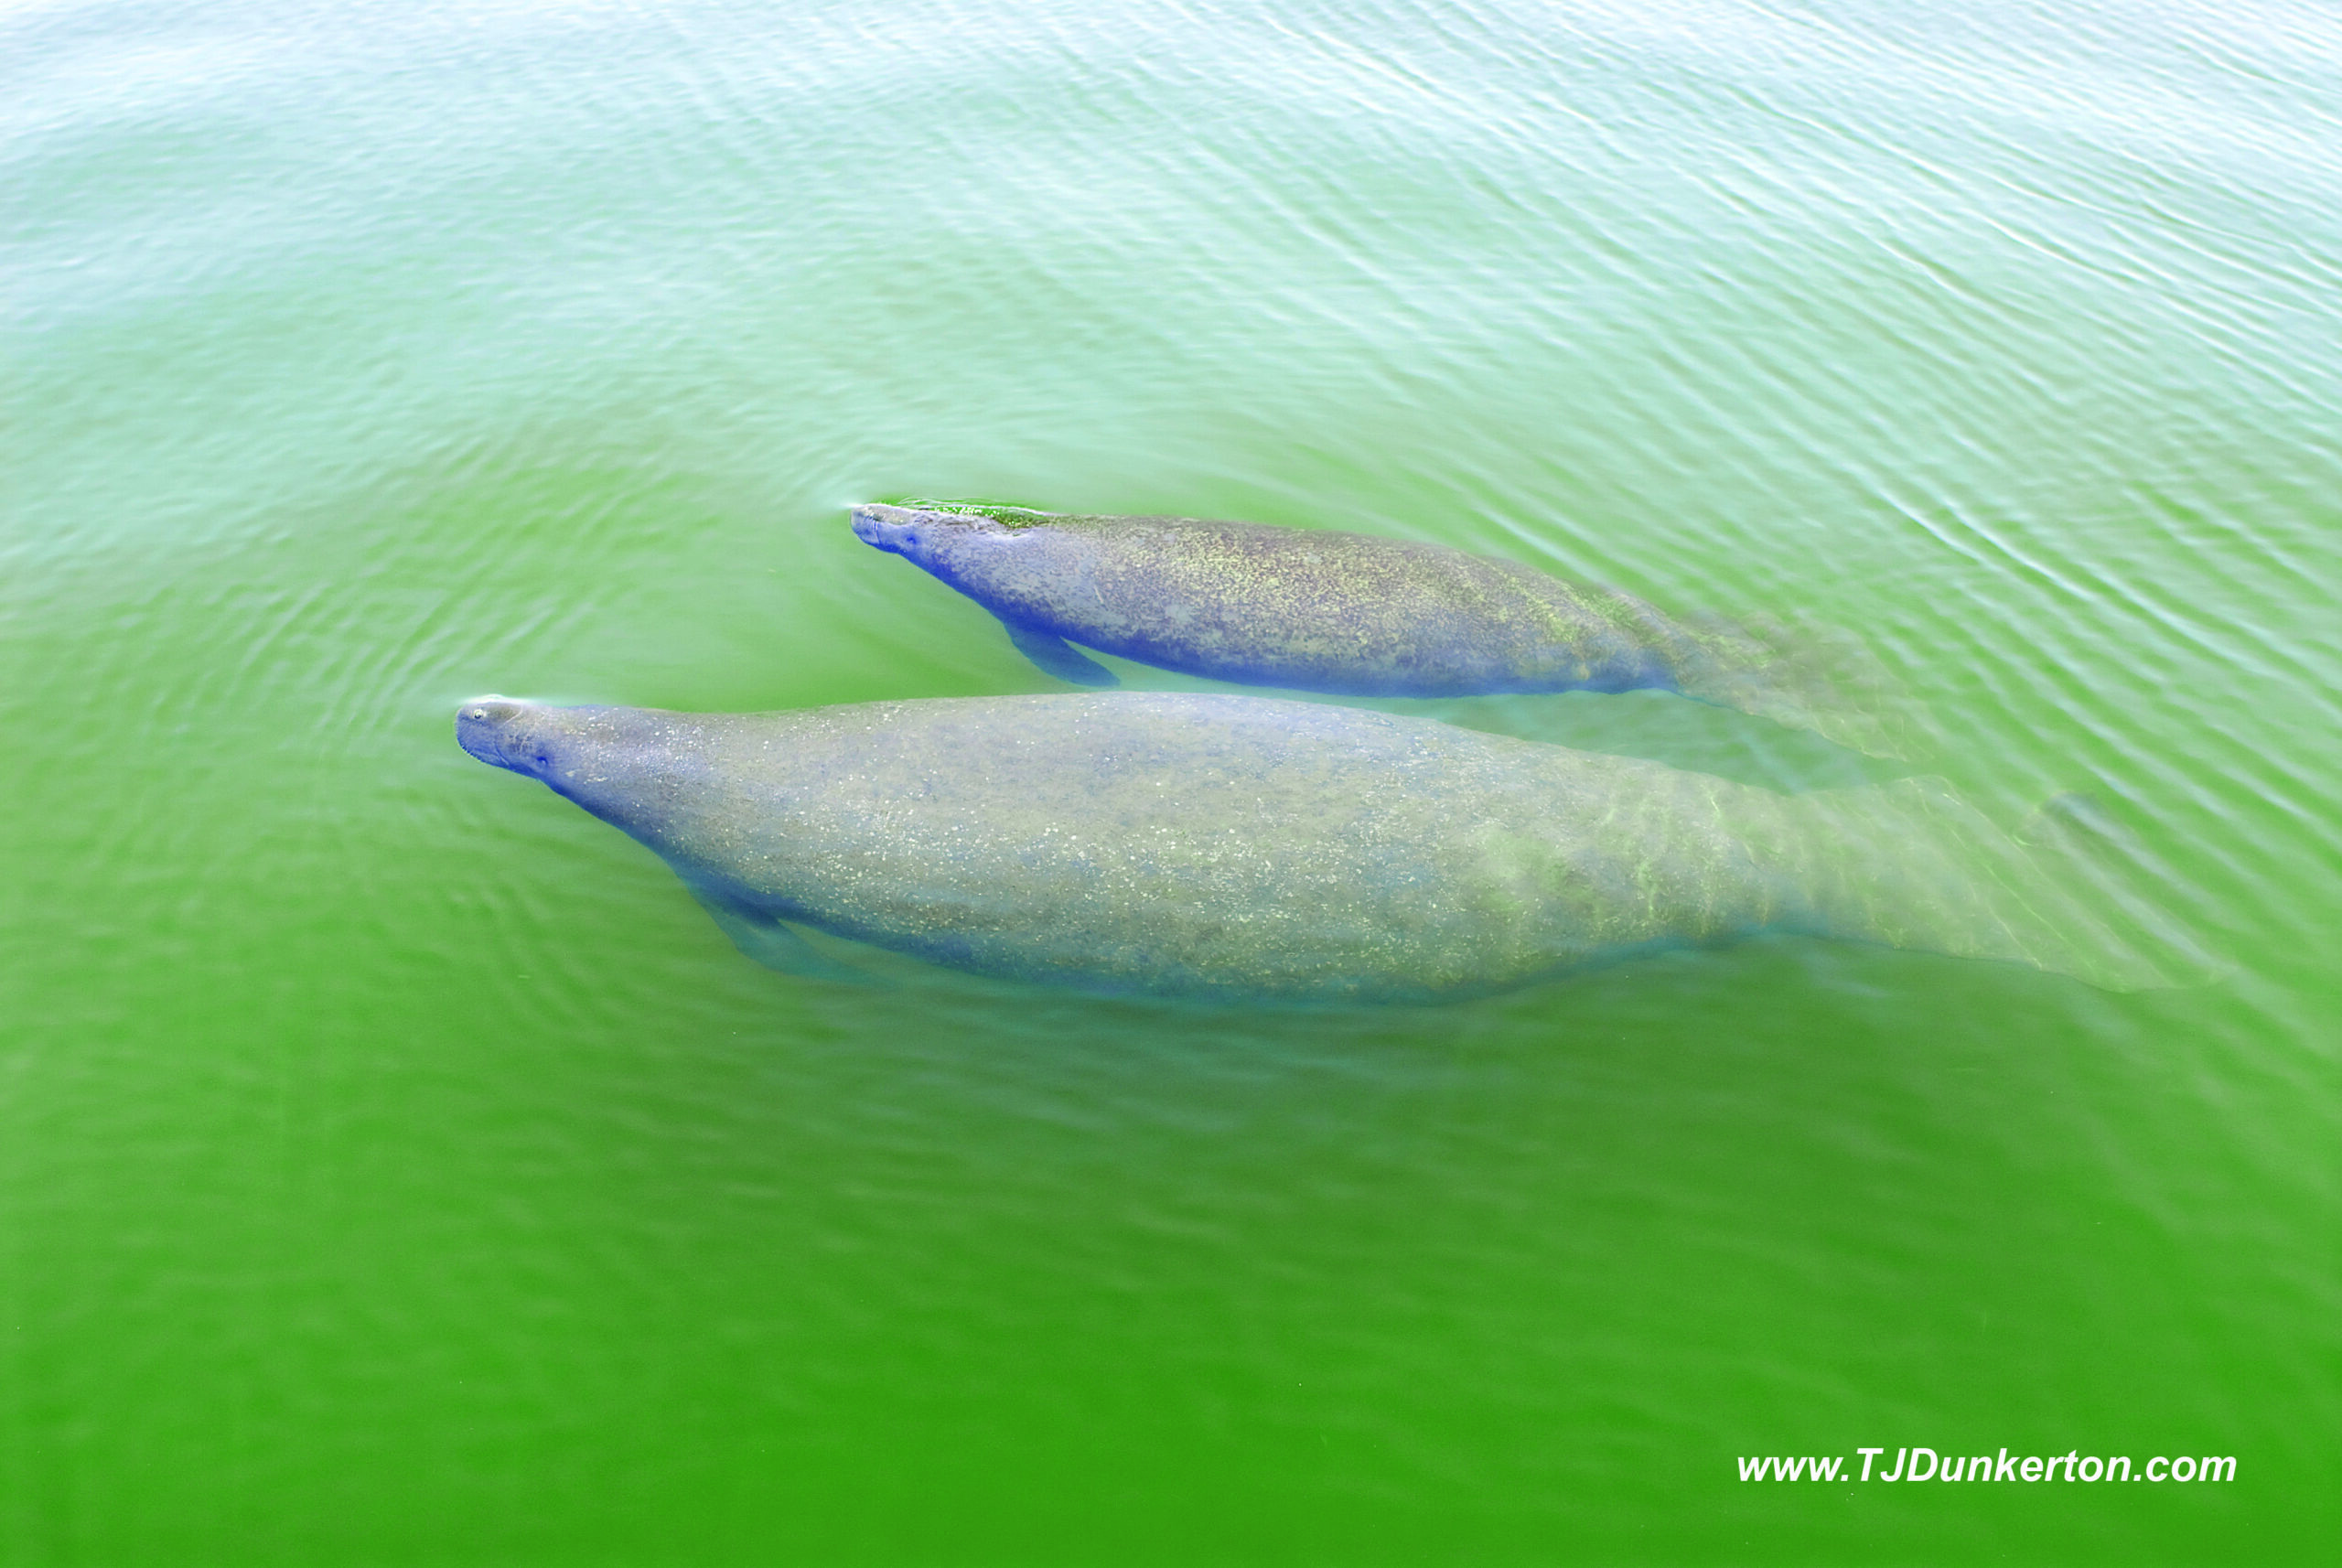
<point>1349,614</point>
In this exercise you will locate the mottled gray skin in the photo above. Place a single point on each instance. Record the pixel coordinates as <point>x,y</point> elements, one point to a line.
<point>1317,610</point>
<point>1253,848</point>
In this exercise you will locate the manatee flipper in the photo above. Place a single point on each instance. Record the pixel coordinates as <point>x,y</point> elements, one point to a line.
<point>760,937</point>
<point>1056,657</point>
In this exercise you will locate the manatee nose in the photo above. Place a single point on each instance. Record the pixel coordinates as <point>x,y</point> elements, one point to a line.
<point>481,725</point>
<point>879,525</point>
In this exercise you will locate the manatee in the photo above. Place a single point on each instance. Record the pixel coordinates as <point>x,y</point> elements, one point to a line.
<point>1347,614</point>
<point>1258,848</point>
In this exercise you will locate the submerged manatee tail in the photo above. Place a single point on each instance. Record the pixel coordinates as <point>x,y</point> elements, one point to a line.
<point>1911,864</point>
<point>1803,677</point>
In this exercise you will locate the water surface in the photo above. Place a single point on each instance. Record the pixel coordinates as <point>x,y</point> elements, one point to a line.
<point>397,1167</point>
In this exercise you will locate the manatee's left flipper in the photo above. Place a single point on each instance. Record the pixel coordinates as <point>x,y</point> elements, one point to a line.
<point>1058,657</point>
<point>764,938</point>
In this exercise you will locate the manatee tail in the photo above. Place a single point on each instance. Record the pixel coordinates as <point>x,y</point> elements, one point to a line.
<point>1911,864</point>
<point>1806,678</point>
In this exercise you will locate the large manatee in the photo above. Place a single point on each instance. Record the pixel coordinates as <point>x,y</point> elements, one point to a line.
<point>1318,610</point>
<point>1251,847</point>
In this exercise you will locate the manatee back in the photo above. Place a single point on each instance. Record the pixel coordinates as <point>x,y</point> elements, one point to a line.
<point>1310,609</point>
<point>1205,844</point>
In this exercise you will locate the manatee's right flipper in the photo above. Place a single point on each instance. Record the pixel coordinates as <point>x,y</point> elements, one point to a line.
<point>760,937</point>
<point>1058,657</point>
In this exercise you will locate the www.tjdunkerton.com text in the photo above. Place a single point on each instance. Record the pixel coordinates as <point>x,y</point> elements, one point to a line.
<point>1926,1465</point>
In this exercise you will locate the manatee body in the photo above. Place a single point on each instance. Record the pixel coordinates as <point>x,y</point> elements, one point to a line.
<point>1251,847</point>
<point>1349,614</point>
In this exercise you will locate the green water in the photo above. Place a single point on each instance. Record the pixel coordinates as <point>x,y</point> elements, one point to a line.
<point>397,1167</point>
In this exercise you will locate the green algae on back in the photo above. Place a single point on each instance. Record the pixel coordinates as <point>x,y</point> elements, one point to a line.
<point>1005,514</point>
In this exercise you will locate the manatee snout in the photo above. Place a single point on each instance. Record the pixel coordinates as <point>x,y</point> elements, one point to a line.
<point>925,535</point>
<point>497,731</point>
<point>892,528</point>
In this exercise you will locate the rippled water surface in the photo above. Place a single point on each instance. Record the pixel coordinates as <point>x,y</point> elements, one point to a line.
<point>395,1165</point>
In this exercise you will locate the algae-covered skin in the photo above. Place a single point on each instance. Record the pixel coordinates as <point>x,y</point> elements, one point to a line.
<point>1349,614</point>
<point>1247,847</point>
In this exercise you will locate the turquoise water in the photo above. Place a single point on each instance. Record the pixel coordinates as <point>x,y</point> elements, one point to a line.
<point>395,1165</point>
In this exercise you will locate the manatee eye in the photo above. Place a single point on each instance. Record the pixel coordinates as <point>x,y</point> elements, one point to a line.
<point>476,714</point>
